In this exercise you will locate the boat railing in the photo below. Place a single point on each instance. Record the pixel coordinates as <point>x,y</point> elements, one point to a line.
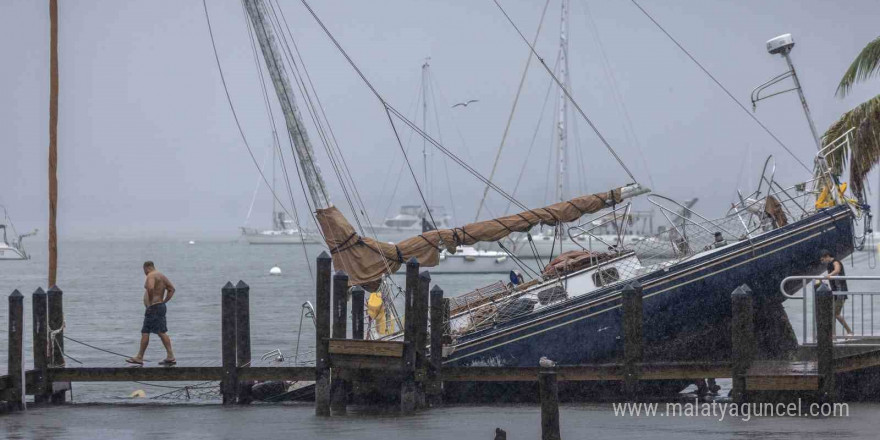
<point>858,311</point>
<point>619,218</point>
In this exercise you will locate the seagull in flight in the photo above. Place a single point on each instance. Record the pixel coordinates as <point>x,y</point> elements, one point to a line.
<point>465,104</point>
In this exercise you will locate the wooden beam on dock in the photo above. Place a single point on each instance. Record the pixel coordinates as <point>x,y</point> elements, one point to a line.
<point>357,312</point>
<point>243,339</point>
<point>588,373</point>
<point>825,342</point>
<point>338,388</point>
<point>742,339</point>
<point>229,379</point>
<point>40,314</point>
<point>408,385</point>
<point>434,387</point>
<point>549,393</point>
<point>366,347</point>
<point>55,299</point>
<point>16,395</point>
<point>177,374</point>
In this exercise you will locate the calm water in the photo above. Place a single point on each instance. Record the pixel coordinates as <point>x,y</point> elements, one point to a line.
<point>102,283</point>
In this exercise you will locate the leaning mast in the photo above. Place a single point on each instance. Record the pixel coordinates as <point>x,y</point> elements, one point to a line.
<point>274,59</point>
<point>561,127</point>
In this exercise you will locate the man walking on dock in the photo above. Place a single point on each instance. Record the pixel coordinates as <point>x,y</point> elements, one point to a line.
<point>835,268</point>
<point>158,290</point>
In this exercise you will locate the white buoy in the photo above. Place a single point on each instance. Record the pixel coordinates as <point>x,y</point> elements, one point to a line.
<point>275,270</point>
<point>192,242</point>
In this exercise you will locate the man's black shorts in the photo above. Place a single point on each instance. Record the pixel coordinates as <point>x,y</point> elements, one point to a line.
<point>154,319</point>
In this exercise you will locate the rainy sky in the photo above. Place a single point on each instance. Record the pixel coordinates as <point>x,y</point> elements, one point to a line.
<point>148,145</point>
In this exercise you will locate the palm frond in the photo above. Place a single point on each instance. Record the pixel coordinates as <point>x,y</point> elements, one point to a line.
<point>863,152</point>
<point>867,63</point>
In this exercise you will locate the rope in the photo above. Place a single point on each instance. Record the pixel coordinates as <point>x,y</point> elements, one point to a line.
<point>567,94</point>
<point>718,83</point>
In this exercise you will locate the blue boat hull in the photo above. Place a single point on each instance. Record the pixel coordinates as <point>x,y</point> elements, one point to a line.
<point>686,307</point>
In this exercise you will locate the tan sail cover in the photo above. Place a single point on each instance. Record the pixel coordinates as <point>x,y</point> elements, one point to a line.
<point>365,259</point>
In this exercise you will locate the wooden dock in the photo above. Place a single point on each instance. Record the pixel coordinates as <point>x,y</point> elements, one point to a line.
<point>345,367</point>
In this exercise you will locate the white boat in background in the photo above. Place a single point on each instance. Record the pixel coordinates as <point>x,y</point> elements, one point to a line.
<point>409,221</point>
<point>14,249</point>
<point>468,259</point>
<point>282,232</point>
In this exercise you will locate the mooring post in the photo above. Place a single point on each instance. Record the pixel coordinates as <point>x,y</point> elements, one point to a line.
<point>632,338</point>
<point>434,387</point>
<point>357,312</point>
<point>15,359</point>
<point>322,333</point>
<point>229,382</point>
<point>408,386</point>
<point>338,388</point>
<point>549,391</point>
<point>825,342</point>
<point>742,339</point>
<point>243,337</point>
<point>40,313</point>
<point>55,299</point>
<point>420,306</point>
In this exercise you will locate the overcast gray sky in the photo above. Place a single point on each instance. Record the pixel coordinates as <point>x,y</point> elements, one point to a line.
<point>148,145</point>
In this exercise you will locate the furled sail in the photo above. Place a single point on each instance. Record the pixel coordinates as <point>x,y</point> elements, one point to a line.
<point>365,260</point>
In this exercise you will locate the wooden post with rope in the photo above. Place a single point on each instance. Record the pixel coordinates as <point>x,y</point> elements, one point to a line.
<point>322,333</point>
<point>357,312</point>
<point>408,386</point>
<point>56,337</point>
<point>229,382</point>
<point>338,386</point>
<point>40,313</point>
<point>434,388</point>
<point>243,337</point>
<point>16,391</point>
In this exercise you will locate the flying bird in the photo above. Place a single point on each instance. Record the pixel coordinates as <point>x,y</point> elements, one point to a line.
<point>465,104</point>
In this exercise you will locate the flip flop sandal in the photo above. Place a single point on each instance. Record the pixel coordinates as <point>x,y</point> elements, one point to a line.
<point>168,362</point>
<point>134,361</point>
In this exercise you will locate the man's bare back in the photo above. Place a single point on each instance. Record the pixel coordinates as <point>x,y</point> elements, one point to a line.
<point>155,287</point>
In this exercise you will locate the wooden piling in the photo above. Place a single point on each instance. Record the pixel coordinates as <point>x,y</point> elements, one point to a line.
<point>338,389</point>
<point>40,313</point>
<point>742,339</point>
<point>229,383</point>
<point>408,386</point>
<point>16,391</point>
<point>243,337</point>
<point>632,338</point>
<point>549,391</point>
<point>825,342</point>
<point>420,307</point>
<point>434,388</point>
<point>322,333</point>
<point>55,300</point>
<point>357,312</point>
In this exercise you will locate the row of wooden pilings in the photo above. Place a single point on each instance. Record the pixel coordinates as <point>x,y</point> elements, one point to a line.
<point>422,351</point>
<point>48,342</point>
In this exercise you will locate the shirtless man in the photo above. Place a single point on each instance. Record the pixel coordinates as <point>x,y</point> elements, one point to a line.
<point>158,290</point>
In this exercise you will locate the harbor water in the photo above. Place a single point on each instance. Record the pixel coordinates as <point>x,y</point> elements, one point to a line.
<point>102,282</point>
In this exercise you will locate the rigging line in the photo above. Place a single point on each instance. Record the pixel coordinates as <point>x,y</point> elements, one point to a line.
<point>522,82</point>
<point>389,107</point>
<point>257,188</point>
<point>409,165</point>
<point>718,83</point>
<point>615,90</point>
<point>454,157</point>
<point>567,94</point>
<point>413,108</point>
<point>331,142</point>
<point>277,142</point>
<point>232,108</point>
<point>440,138</point>
<point>532,142</point>
<point>96,348</point>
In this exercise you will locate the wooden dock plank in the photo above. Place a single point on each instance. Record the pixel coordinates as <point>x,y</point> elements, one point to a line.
<point>366,347</point>
<point>109,374</point>
<point>857,361</point>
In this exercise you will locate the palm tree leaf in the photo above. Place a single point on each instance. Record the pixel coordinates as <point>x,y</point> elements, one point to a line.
<point>863,152</point>
<point>867,63</point>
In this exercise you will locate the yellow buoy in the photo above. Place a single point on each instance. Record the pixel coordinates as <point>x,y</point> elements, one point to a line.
<point>138,394</point>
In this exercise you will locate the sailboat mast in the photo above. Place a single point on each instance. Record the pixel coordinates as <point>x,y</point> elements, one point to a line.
<point>274,201</point>
<point>425,129</point>
<point>562,128</point>
<point>53,140</point>
<point>274,60</point>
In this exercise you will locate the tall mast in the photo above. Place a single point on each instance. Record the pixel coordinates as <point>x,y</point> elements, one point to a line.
<point>562,128</point>
<point>53,139</point>
<point>425,129</point>
<point>274,201</point>
<point>274,60</point>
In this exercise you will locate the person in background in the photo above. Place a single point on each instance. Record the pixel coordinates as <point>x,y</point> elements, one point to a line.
<point>835,268</point>
<point>158,290</point>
